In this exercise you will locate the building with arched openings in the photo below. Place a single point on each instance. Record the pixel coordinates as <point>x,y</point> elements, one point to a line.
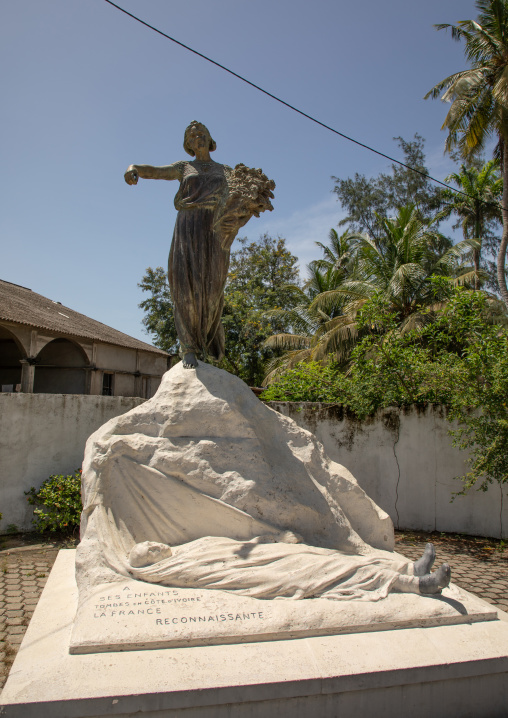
<point>47,348</point>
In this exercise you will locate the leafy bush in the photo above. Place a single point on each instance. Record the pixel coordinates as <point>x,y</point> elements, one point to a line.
<point>309,382</point>
<point>483,390</point>
<point>58,503</point>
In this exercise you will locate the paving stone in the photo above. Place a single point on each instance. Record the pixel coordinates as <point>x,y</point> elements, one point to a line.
<point>17,621</point>
<point>15,640</point>
<point>14,614</point>
<point>14,630</point>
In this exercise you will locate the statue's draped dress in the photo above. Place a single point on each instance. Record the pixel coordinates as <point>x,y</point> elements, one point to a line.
<point>198,265</point>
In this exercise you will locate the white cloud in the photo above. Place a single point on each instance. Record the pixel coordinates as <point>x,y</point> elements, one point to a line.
<point>303,228</point>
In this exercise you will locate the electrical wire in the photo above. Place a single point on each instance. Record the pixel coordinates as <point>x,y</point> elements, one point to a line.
<point>295,109</point>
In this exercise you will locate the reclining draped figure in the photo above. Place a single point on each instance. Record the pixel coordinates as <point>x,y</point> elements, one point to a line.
<point>203,486</point>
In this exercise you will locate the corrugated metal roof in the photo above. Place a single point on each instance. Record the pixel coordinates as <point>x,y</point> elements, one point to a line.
<point>23,306</point>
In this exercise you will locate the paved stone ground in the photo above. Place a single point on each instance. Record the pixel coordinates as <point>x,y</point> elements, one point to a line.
<point>23,574</point>
<point>478,565</point>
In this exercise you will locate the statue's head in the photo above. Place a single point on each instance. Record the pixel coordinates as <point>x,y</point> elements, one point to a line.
<point>190,131</point>
<point>148,553</point>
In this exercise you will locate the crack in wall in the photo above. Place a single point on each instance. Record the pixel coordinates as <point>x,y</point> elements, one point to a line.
<point>501,513</point>
<point>434,434</point>
<point>398,470</point>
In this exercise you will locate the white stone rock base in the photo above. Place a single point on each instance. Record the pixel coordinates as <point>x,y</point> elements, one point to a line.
<point>431,672</point>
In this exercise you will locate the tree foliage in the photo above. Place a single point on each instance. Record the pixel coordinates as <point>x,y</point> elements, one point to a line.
<point>263,275</point>
<point>159,321</point>
<point>397,265</point>
<point>479,98</point>
<point>478,211</point>
<point>305,325</point>
<point>368,200</point>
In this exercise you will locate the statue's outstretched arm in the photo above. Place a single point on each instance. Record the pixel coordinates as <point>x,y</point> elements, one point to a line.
<point>168,172</point>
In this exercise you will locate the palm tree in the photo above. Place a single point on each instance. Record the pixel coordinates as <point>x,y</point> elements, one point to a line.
<point>337,254</point>
<point>308,325</point>
<point>477,205</point>
<point>398,266</point>
<point>479,98</point>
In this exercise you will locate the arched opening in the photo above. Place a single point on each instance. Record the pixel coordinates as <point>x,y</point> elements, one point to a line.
<point>60,369</point>
<point>10,355</point>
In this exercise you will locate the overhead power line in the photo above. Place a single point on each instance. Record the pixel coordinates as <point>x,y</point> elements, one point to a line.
<point>292,107</point>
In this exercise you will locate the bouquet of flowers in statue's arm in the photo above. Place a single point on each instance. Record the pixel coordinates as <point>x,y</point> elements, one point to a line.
<point>249,194</point>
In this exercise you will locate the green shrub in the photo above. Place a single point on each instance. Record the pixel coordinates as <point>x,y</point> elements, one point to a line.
<point>309,382</point>
<point>58,503</point>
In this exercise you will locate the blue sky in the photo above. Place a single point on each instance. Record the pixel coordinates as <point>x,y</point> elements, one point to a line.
<point>86,91</point>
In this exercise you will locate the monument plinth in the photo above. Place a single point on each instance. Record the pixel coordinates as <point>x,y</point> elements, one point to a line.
<point>269,538</point>
<point>130,616</point>
<point>443,671</point>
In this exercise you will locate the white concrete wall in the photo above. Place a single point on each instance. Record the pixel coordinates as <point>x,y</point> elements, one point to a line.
<point>43,434</point>
<point>404,460</point>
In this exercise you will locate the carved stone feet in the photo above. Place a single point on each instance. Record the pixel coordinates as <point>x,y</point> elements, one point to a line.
<point>435,582</point>
<point>425,563</point>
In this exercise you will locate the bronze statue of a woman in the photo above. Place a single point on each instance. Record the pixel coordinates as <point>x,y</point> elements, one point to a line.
<point>213,202</point>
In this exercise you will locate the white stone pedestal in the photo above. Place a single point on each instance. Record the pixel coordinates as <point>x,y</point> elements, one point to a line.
<point>431,672</point>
